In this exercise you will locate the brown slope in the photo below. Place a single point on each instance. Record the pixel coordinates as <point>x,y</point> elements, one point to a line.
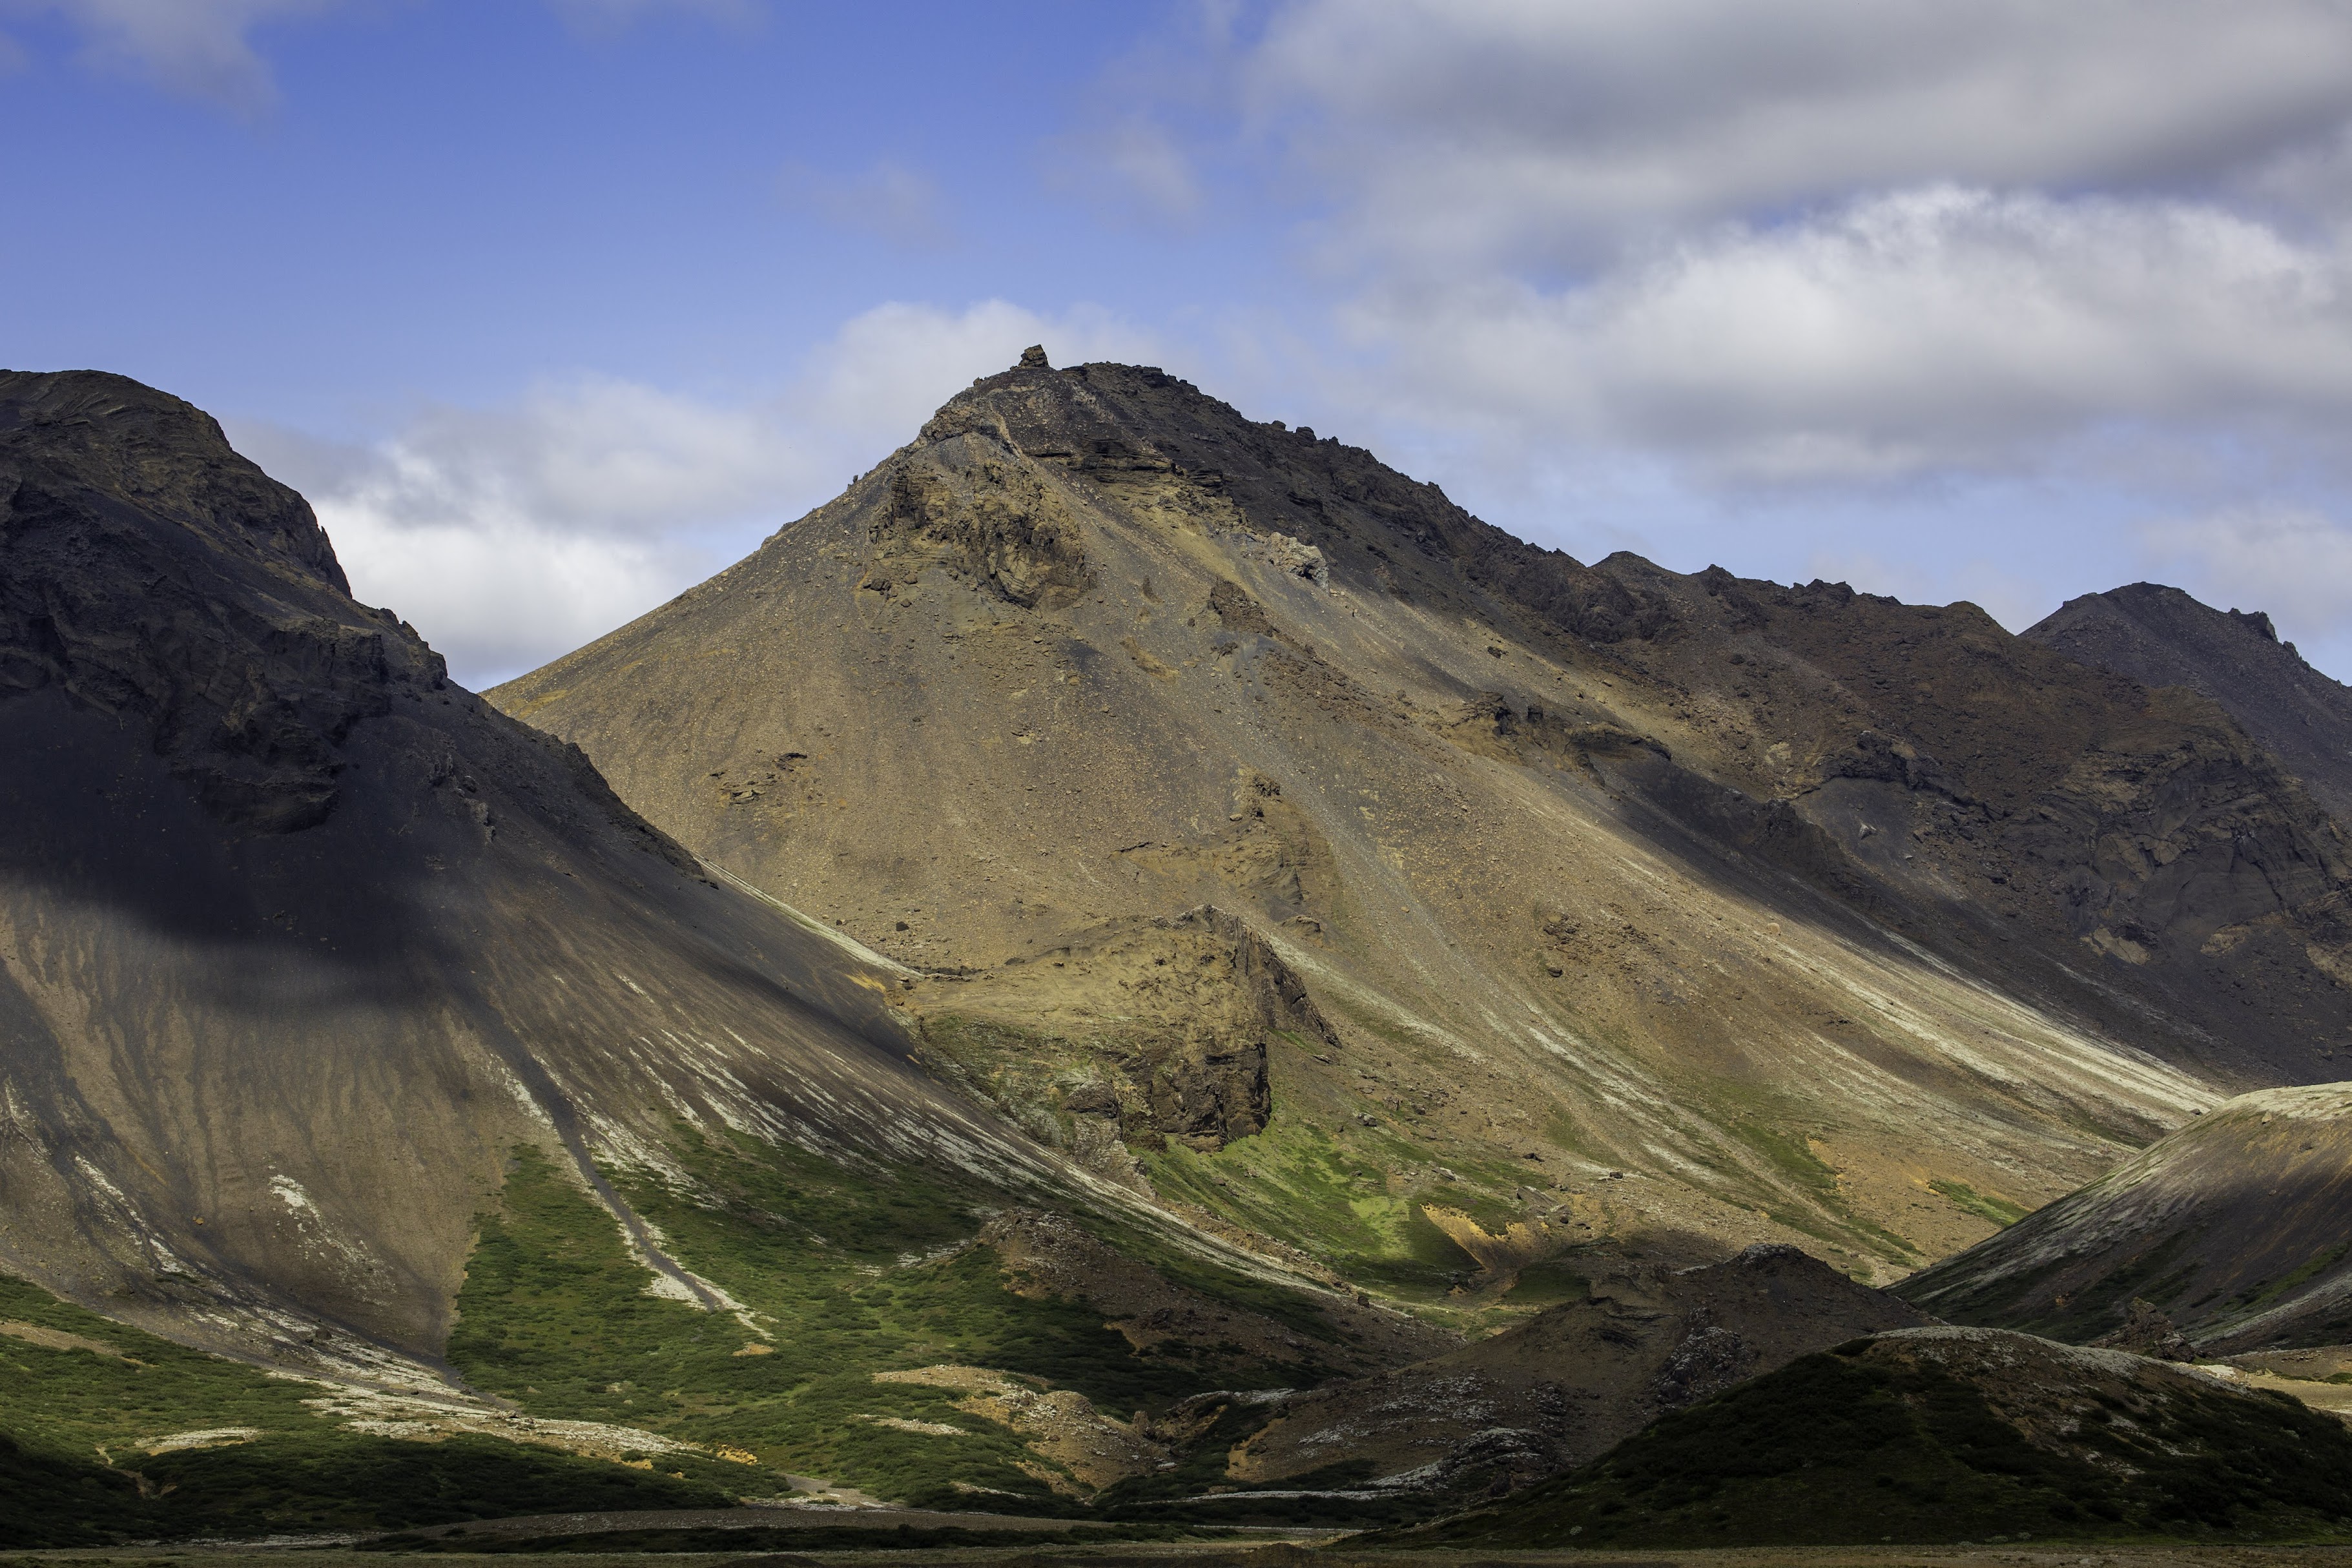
<point>1095,649</point>
<point>2161,636</point>
<point>2238,1228</point>
<point>298,940</point>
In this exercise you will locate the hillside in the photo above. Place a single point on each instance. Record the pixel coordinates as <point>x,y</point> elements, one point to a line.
<point>1678,913</point>
<point>2237,1229</point>
<point>291,924</point>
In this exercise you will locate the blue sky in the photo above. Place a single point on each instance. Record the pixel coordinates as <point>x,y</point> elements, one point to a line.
<point>555,306</point>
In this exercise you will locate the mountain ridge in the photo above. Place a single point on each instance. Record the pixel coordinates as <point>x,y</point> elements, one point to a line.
<point>1095,645</point>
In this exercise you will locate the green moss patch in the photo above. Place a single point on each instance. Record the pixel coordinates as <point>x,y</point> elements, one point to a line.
<point>1984,1206</point>
<point>1329,1194</point>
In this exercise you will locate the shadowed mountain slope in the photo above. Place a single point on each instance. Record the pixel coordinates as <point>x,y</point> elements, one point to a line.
<point>1627,904</point>
<point>1944,1434</point>
<point>2238,1228</point>
<point>297,941</point>
<point>2160,637</point>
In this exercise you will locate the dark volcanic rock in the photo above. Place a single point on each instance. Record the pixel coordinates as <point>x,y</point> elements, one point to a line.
<point>2160,637</point>
<point>227,632</point>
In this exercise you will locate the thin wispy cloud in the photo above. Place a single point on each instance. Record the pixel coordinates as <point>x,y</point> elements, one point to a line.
<point>607,16</point>
<point>886,200</point>
<point>201,49</point>
<point>205,50</point>
<point>2292,560</point>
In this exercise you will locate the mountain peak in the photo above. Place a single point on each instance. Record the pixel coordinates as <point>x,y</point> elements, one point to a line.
<point>157,575</point>
<point>2160,635</point>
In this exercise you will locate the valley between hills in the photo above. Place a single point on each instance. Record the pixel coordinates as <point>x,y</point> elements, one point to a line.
<point>1136,978</point>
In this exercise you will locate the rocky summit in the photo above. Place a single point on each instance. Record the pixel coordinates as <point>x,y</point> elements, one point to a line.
<point>2160,637</point>
<point>1142,971</point>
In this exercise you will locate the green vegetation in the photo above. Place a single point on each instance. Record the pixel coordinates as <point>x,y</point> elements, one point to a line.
<point>84,1407</point>
<point>1329,1194</point>
<point>842,1273</point>
<point>1984,1206</point>
<point>1833,1449</point>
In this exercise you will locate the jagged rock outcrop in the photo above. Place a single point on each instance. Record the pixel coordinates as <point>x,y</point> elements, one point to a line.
<point>1138,1032</point>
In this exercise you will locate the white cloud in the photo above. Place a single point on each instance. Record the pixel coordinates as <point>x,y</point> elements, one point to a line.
<point>2291,561</point>
<point>508,536</point>
<point>1455,130</point>
<point>1823,240</point>
<point>1927,329</point>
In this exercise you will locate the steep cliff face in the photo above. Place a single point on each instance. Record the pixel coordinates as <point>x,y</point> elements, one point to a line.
<point>2236,1230</point>
<point>1746,893</point>
<point>298,942</point>
<point>2160,637</point>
